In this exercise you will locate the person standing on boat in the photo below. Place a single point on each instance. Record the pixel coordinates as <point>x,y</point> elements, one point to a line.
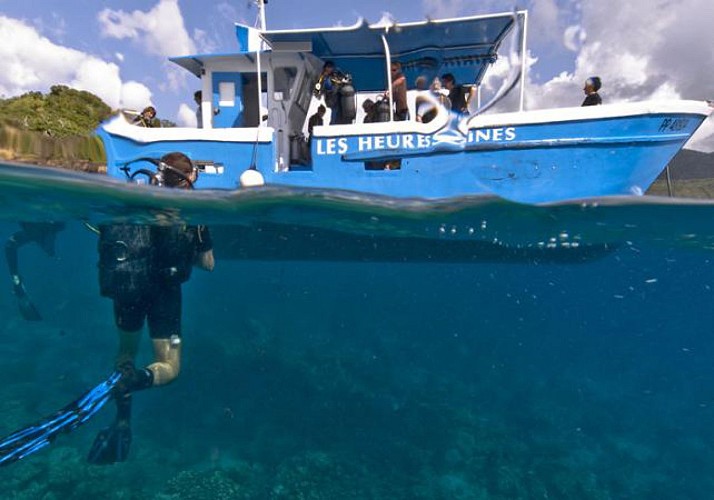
<point>458,95</point>
<point>316,120</point>
<point>327,87</point>
<point>399,93</point>
<point>370,111</point>
<point>198,97</point>
<point>147,118</point>
<point>142,268</point>
<point>592,85</point>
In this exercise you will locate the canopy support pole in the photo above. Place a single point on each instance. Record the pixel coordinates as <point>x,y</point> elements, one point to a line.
<point>389,77</point>
<point>524,58</point>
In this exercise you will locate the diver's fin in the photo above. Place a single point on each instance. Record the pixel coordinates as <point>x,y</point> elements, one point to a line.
<point>111,444</point>
<point>27,308</point>
<point>34,437</point>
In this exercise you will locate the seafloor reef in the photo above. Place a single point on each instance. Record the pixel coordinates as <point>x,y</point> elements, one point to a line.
<point>347,418</point>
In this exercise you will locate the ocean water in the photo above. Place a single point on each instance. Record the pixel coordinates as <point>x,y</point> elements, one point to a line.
<point>366,348</point>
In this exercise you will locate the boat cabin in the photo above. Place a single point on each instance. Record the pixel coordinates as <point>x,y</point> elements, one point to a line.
<point>270,81</point>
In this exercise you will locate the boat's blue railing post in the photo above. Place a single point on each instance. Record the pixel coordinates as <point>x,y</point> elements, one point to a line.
<point>389,75</point>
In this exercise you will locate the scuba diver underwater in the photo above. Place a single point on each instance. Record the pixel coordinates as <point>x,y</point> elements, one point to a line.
<point>44,235</point>
<point>141,268</point>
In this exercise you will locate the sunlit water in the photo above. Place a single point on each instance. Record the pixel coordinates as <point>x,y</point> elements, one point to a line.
<point>350,347</point>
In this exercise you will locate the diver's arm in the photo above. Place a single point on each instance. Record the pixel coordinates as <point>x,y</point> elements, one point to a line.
<point>205,260</point>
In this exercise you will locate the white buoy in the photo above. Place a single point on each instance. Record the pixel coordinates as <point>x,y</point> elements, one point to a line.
<point>251,178</point>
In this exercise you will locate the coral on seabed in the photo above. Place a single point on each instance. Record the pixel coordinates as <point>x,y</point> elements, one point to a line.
<point>209,485</point>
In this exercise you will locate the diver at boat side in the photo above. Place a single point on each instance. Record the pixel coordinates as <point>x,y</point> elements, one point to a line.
<point>251,123</point>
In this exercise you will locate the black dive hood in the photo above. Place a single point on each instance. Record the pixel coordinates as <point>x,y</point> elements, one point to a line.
<point>156,178</point>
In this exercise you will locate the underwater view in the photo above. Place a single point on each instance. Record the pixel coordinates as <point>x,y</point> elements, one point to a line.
<point>355,347</point>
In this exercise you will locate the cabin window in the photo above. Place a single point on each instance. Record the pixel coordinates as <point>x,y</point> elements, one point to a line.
<point>252,114</point>
<point>226,94</point>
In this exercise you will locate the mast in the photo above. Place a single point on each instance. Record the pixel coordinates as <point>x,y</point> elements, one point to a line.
<point>260,21</point>
<point>261,14</point>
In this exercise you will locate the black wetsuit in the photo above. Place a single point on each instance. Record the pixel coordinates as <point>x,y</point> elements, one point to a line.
<point>592,99</point>
<point>142,268</point>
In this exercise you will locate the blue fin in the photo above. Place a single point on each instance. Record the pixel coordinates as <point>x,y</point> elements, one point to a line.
<point>111,445</point>
<point>34,437</point>
<point>27,308</point>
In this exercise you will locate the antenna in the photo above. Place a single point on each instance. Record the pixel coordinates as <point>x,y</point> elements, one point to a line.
<point>261,14</point>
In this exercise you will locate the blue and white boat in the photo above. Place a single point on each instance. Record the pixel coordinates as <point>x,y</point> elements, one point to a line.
<point>252,126</point>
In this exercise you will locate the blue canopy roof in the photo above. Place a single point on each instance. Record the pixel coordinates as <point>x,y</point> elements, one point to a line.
<point>464,47</point>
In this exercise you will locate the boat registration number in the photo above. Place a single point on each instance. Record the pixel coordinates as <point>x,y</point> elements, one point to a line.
<point>673,124</point>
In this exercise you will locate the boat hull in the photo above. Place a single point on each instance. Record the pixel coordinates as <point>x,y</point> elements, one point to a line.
<point>532,157</point>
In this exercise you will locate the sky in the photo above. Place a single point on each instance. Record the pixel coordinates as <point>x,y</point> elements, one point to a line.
<point>119,49</point>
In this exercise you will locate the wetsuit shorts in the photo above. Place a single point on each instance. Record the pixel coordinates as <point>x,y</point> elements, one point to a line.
<point>161,307</point>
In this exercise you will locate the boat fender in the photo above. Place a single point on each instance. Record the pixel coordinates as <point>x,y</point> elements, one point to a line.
<point>251,178</point>
<point>347,101</point>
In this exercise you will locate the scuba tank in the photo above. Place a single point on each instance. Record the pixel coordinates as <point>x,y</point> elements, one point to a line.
<point>134,258</point>
<point>347,101</point>
<point>126,255</point>
<point>297,149</point>
<point>382,110</point>
<point>175,246</point>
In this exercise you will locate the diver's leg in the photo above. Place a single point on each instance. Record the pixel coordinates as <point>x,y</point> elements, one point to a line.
<point>128,346</point>
<point>112,443</point>
<point>129,319</point>
<point>167,360</point>
<point>12,245</point>
<point>164,320</point>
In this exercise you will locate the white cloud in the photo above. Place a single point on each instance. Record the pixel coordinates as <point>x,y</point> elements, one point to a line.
<point>186,116</point>
<point>573,37</point>
<point>56,27</point>
<point>205,44</point>
<point>160,31</point>
<point>135,95</point>
<point>31,62</point>
<point>387,19</point>
<point>646,53</point>
<point>640,53</point>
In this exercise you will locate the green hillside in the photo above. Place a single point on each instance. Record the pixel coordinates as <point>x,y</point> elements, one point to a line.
<point>62,112</point>
<point>54,129</point>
